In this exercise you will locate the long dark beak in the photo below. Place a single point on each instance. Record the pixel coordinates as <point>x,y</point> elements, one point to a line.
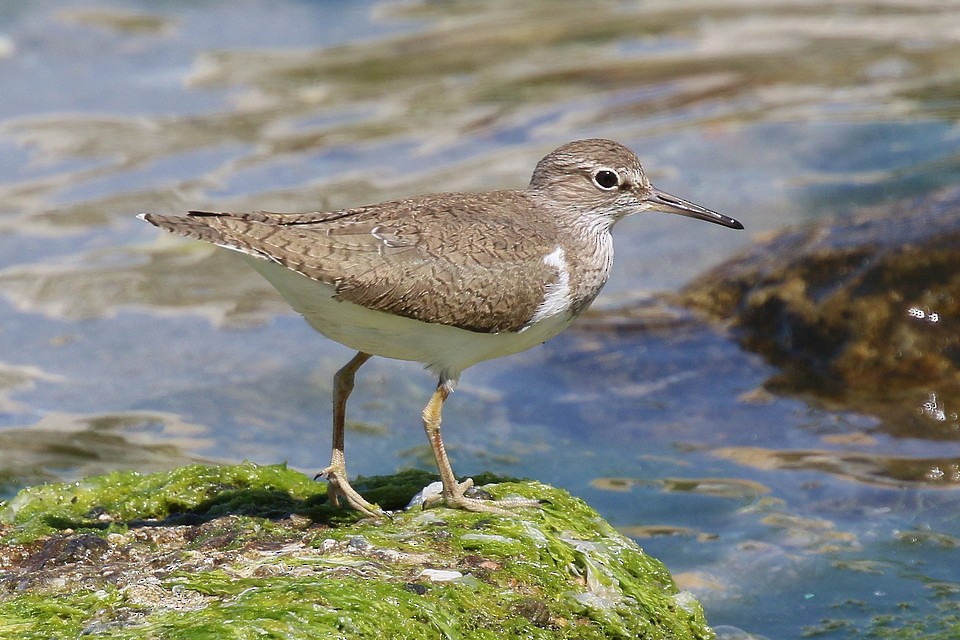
<point>663,201</point>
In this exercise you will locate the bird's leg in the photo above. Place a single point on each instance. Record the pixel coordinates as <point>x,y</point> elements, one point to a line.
<point>336,473</point>
<point>431,424</point>
<point>454,493</point>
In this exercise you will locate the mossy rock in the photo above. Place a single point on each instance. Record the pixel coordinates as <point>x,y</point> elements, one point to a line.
<point>863,313</point>
<point>250,551</point>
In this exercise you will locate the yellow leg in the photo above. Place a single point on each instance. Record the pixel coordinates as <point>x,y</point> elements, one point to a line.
<point>336,473</point>
<point>454,493</point>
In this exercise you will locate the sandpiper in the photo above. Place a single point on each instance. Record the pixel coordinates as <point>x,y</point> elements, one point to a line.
<point>446,279</point>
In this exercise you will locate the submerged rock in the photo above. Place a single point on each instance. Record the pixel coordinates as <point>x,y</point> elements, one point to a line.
<point>861,312</point>
<point>199,550</point>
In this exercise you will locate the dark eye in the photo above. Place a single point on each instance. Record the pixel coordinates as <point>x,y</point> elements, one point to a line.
<point>606,179</point>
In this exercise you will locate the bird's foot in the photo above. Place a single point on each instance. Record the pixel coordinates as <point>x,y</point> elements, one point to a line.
<point>338,488</point>
<point>457,497</point>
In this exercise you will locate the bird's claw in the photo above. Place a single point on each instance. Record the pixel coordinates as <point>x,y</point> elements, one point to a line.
<point>458,498</point>
<point>338,488</point>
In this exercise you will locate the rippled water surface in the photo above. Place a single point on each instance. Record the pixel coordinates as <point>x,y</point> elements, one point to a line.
<point>121,347</point>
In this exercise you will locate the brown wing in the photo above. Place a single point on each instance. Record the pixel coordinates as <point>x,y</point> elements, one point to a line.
<point>443,258</point>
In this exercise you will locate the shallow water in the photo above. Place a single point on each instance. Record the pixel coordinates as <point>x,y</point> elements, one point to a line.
<point>122,347</point>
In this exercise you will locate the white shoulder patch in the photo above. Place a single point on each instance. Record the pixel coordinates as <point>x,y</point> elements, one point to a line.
<point>556,295</point>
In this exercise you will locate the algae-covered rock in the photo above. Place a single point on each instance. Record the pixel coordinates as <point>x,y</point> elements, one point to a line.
<point>864,311</point>
<point>249,551</point>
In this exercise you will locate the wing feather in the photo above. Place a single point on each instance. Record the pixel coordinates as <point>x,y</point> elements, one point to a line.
<point>442,258</point>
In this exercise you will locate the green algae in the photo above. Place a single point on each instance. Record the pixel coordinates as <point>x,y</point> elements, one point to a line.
<point>125,496</point>
<point>940,626</point>
<point>248,551</point>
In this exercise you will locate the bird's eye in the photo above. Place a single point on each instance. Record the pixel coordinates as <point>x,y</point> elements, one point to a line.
<point>606,179</point>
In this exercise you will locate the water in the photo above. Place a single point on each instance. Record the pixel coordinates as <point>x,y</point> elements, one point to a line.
<point>120,347</point>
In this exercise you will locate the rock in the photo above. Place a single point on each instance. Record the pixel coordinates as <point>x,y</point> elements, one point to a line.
<point>190,550</point>
<point>864,313</point>
<point>440,575</point>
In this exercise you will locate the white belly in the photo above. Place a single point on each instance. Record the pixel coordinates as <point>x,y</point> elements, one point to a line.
<point>444,350</point>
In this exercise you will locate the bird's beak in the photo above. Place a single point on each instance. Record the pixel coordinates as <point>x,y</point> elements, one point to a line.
<point>658,200</point>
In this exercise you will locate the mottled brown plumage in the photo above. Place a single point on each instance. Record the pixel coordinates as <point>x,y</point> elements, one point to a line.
<point>392,256</point>
<point>447,279</point>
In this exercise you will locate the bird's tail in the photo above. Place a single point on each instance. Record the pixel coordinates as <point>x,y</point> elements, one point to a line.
<point>192,225</point>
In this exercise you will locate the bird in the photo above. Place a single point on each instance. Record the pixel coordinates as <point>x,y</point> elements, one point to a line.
<point>446,279</point>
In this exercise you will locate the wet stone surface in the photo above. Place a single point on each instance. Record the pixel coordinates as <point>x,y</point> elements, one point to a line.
<point>862,313</point>
<point>182,552</point>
